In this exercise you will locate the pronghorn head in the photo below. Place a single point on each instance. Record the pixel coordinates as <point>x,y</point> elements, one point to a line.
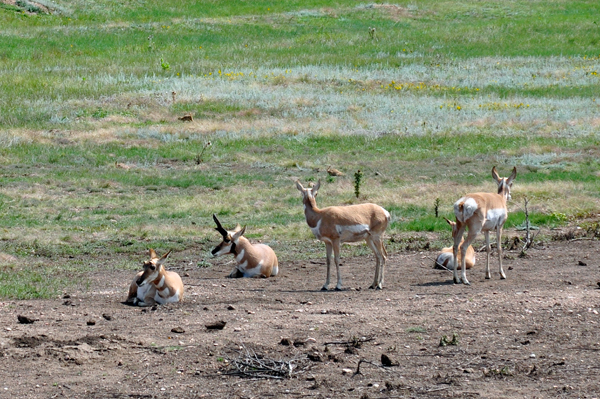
<point>152,268</point>
<point>504,183</point>
<point>453,225</point>
<point>309,192</point>
<point>230,239</point>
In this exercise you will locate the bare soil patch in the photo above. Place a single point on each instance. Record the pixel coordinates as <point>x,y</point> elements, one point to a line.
<point>533,335</point>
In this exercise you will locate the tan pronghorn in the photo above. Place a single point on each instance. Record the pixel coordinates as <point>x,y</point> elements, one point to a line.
<point>154,284</point>
<point>337,224</point>
<point>253,260</point>
<point>446,259</point>
<point>482,212</point>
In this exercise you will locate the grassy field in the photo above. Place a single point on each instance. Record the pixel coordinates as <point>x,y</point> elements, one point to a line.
<point>94,159</point>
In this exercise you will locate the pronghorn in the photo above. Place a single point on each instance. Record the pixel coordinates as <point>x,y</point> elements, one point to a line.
<point>337,224</point>
<point>446,259</point>
<point>253,260</point>
<point>482,212</point>
<point>155,284</point>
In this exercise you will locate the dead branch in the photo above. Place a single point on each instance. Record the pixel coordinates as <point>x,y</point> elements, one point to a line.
<point>350,342</point>
<point>368,362</point>
<point>249,364</point>
<point>437,263</point>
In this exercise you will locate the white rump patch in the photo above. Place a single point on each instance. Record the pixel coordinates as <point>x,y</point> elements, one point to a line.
<point>469,208</point>
<point>446,257</point>
<point>387,214</point>
<point>275,271</point>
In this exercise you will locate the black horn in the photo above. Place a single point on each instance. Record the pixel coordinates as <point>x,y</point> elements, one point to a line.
<point>219,228</point>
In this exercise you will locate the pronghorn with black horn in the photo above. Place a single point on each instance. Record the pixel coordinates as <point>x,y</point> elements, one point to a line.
<point>482,212</point>
<point>155,284</point>
<point>253,260</point>
<point>338,224</point>
<point>446,258</point>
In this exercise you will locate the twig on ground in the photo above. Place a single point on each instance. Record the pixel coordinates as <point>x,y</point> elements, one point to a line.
<point>437,263</point>
<point>252,365</point>
<point>350,342</point>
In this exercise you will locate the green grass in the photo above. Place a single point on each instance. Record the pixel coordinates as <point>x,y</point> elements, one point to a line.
<point>282,90</point>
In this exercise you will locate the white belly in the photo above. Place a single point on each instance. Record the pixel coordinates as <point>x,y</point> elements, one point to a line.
<point>356,232</point>
<point>142,291</point>
<point>494,218</point>
<point>252,272</point>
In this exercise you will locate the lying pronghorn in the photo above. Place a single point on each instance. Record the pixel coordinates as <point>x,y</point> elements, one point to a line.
<point>482,212</point>
<point>337,224</point>
<point>446,259</point>
<point>253,260</point>
<point>154,284</point>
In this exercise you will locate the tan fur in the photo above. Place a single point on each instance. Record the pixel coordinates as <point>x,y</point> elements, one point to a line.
<point>337,224</point>
<point>447,261</point>
<point>481,212</point>
<point>252,260</point>
<point>165,287</point>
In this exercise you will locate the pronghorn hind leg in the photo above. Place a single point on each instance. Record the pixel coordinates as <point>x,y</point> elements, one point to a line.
<point>336,258</point>
<point>463,252</point>
<point>378,249</point>
<point>328,249</point>
<point>499,245</point>
<point>488,249</point>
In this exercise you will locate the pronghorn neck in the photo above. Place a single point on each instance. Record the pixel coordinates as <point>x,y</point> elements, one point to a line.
<point>311,211</point>
<point>504,190</point>
<point>157,281</point>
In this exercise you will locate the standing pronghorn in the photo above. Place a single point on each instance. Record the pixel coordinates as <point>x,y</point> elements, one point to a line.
<point>337,224</point>
<point>155,284</point>
<point>253,260</point>
<point>482,212</point>
<point>446,258</point>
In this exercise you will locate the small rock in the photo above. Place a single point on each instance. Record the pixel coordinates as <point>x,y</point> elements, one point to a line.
<point>532,356</point>
<point>178,330</point>
<point>315,357</point>
<point>285,342</point>
<point>25,319</point>
<point>68,303</point>
<point>107,316</point>
<point>346,371</point>
<point>218,325</point>
<point>581,263</point>
<point>468,371</point>
<point>91,323</point>
<point>66,296</point>
<point>230,307</point>
<point>386,361</point>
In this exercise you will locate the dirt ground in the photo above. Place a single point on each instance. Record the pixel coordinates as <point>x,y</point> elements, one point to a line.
<point>534,335</point>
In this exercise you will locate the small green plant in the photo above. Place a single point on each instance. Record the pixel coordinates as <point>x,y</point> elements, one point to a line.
<point>444,341</point>
<point>436,207</point>
<point>416,329</point>
<point>165,66</point>
<point>357,180</point>
<point>199,156</point>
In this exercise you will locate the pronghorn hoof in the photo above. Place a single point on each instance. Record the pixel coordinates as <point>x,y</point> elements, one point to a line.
<point>503,277</point>
<point>324,288</point>
<point>488,277</point>
<point>338,289</point>
<point>466,282</point>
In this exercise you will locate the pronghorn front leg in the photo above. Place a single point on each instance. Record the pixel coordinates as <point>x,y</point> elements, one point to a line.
<point>499,245</point>
<point>328,248</point>
<point>336,258</point>
<point>378,280</point>
<point>236,273</point>
<point>488,249</point>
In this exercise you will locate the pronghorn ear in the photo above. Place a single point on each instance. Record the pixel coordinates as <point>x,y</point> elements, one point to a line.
<point>495,174</point>
<point>238,234</point>
<point>512,176</point>
<point>153,254</point>
<point>299,186</point>
<point>450,222</point>
<point>162,258</point>
<point>316,188</point>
